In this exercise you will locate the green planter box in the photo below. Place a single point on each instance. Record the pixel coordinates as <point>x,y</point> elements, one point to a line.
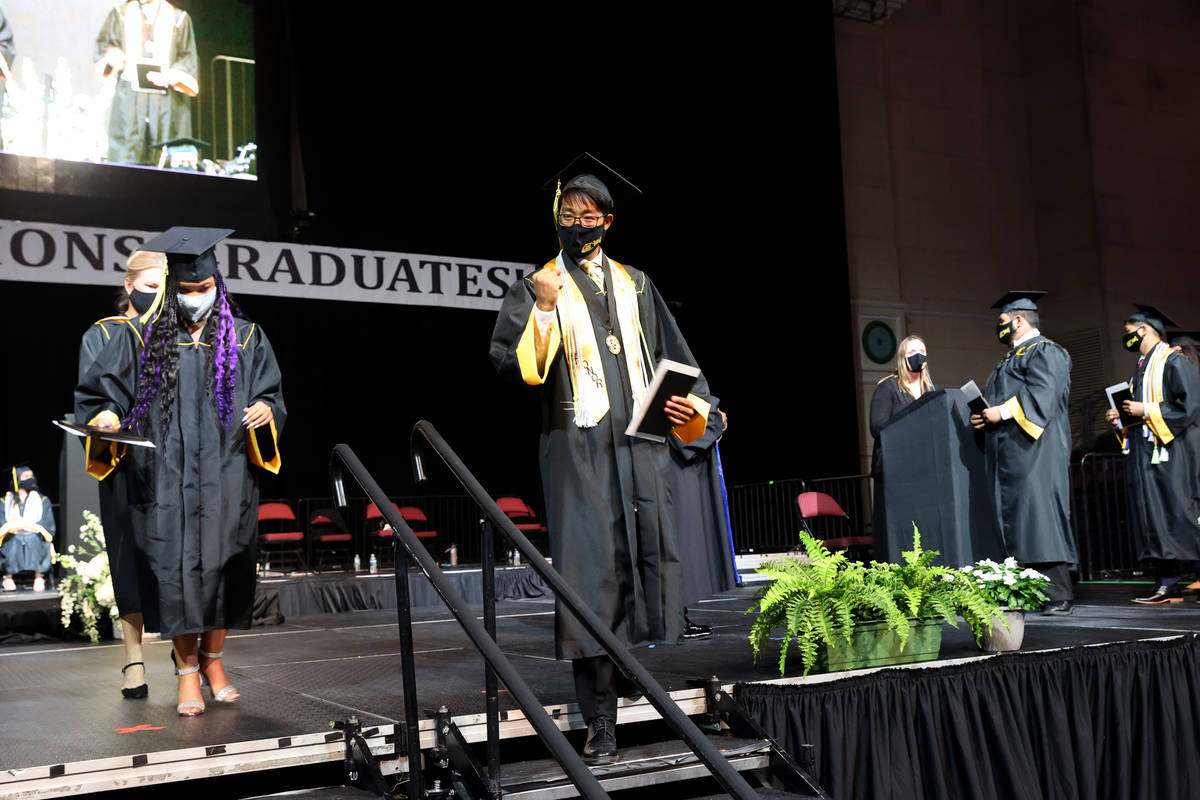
<point>874,645</point>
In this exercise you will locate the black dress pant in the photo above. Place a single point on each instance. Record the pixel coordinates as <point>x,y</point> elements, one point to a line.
<point>596,687</point>
<point>1059,573</point>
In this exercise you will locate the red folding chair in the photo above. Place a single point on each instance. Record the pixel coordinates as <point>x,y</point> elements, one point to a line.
<point>814,505</point>
<point>280,535</point>
<point>523,516</point>
<point>328,537</point>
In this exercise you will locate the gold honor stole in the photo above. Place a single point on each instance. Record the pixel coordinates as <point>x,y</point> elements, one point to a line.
<point>585,370</point>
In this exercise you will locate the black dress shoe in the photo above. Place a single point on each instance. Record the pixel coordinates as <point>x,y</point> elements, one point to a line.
<point>1061,608</point>
<point>601,745</point>
<point>1163,594</point>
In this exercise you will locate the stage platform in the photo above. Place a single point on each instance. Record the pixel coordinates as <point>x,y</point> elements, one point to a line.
<point>67,730</point>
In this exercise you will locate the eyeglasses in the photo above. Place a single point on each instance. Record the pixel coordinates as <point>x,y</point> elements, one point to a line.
<point>568,220</point>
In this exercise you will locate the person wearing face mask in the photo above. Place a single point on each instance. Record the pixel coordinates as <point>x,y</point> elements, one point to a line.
<point>131,576</point>
<point>1164,451</point>
<point>204,386</point>
<point>910,379</point>
<point>1029,446</point>
<point>589,330</point>
<point>27,530</point>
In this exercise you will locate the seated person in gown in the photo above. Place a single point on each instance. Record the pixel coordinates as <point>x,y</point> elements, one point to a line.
<point>27,531</point>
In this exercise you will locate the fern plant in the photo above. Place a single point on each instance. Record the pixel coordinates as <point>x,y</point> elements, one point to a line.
<point>820,602</point>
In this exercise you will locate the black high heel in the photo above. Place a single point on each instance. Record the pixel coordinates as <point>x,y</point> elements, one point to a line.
<point>137,692</point>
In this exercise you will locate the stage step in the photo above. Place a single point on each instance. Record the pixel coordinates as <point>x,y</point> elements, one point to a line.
<point>639,766</point>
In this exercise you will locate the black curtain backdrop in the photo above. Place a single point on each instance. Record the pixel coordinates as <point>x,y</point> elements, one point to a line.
<point>1114,721</point>
<point>427,136</point>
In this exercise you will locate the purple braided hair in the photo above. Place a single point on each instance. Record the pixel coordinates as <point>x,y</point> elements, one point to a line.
<point>224,357</point>
<point>159,362</point>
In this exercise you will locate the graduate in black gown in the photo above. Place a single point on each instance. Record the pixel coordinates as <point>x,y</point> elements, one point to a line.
<point>133,583</point>
<point>706,554</point>
<point>909,380</point>
<point>205,387</point>
<point>589,331</point>
<point>1029,446</point>
<point>1164,451</point>
<point>148,31</point>
<point>26,530</point>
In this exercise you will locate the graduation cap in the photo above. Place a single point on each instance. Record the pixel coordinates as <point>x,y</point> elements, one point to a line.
<point>182,141</point>
<point>1018,301</point>
<point>189,251</point>
<point>1152,317</point>
<point>1185,338</point>
<point>584,180</point>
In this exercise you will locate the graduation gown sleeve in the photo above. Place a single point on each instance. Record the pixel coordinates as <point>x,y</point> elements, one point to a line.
<point>1037,398</point>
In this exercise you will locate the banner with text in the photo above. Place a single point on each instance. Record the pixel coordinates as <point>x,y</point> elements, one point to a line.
<point>49,253</point>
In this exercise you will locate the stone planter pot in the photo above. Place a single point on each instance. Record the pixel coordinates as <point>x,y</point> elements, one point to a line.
<point>999,640</point>
<point>874,645</point>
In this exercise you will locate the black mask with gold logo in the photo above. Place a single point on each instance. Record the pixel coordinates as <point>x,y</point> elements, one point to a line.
<point>1004,332</point>
<point>1132,341</point>
<point>579,242</point>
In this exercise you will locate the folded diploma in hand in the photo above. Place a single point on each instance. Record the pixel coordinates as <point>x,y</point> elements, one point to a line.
<point>649,420</point>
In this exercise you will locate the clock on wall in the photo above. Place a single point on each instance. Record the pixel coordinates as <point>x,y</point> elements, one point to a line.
<point>879,342</point>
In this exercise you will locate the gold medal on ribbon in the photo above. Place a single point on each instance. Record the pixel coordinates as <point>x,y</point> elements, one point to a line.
<point>614,344</point>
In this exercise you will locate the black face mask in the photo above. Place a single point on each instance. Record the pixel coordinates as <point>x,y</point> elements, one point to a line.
<point>1132,342</point>
<point>916,362</point>
<point>28,484</point>
<point>1004,332</point>
<point>142,301</point>
<point>579,242</point>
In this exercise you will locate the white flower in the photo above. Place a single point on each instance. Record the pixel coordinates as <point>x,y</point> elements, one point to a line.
<point>1009,579</point>
<point>991,576</point>
<point>70,548</point>
<point>968,568</point>
<point>104,594</point>
<point>1034,574</point>
<point>1010,562</point>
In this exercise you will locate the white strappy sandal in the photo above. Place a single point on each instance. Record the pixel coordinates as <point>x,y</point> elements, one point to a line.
<point>222,696</point>
<point>185,708</point>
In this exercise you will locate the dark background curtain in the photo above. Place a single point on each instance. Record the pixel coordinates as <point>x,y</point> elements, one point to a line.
<point>1117,721</point>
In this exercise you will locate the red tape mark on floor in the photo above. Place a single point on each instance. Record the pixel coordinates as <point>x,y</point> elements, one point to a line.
<point>143,727</point>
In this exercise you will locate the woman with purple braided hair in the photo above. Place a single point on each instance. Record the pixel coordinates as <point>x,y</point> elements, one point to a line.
<point>203,384</point>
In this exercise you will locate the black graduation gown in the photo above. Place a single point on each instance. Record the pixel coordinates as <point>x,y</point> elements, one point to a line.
<point>137,120</point>
<point>1166,496</point>
<point>1028,457</point>
<point>194,499</point>
<point>594,479</point>
<point>701,522</point>
<point>134,585</point>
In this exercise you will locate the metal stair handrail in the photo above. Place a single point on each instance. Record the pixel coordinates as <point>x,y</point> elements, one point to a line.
<point>730,779</point>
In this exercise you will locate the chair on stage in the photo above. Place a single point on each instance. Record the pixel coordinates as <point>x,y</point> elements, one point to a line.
<point>280,535</point>
<point>329,539</point>
<point>814,505</point>
<point>379,534</point>
<point>523,516</point>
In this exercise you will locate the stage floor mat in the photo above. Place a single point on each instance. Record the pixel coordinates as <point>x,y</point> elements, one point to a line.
<point>68,729</point>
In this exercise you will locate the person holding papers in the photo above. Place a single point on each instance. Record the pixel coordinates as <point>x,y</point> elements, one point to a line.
<point>1164,474</point>
<point>589,331</point>
<point>1029,446</point>
<point>133,583</point>
<point>204,386</point>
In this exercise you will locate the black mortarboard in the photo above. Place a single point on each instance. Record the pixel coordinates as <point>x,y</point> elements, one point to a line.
<point>582,178</point>
<point>190,255</point>
<point>1018,301</point>
<point>1152,317</point>
<point>180,141</point>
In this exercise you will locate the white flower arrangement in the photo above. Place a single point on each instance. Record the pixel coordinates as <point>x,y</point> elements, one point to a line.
<point>86,585</point>
<point>1008,584</point>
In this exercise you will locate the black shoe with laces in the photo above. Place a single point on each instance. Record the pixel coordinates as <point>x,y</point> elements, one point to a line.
<point>601,745</point>
<point>693,631</point>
